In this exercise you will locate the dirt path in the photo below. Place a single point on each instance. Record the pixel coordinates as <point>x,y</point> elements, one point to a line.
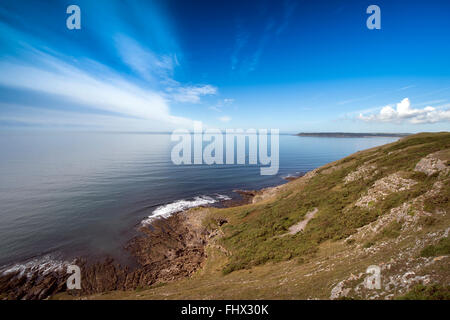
<point>300,226</point>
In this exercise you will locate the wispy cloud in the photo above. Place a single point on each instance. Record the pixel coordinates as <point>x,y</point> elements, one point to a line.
<point>241,40</point>
<point>143,61</point>
<point>405,113</point>
<point>289,7</point>
<point>105,90</point>
<point>273,26</point>
<point>430,103</point>
<point>191,94</point>
<point>222,103</point>
<point>51,118</point>
<point>143,93</point>
<point>225,119</point>
<point>154,68</point>
<point>406,87</point>
<point>254,60</point>
<point>356,100</point>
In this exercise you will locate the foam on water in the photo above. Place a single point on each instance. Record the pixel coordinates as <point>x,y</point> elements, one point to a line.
<point>167,210</point>
<point>222,197</point>
<point>292,175</point>
<point>42,266</point>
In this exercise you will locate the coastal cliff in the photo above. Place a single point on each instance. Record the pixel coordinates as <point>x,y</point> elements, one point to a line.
<point>387,206</point>
<point>311,238</point>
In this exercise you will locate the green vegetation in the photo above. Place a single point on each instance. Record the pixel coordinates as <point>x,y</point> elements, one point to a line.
<point>156,285</point>
<point>442,248</point>
<point>428,221</point>
<point>433,292</point>
<point>391,231</point>
<point>441,200</point>
<point>368,244</point>
<point>253,236</point>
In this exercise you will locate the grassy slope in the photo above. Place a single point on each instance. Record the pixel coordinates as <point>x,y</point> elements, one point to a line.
<point>250,260</point>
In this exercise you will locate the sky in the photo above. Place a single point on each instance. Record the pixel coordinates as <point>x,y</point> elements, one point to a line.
<point>296,66</point>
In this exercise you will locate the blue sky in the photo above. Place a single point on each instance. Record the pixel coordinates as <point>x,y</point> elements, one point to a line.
<point>290,65</point>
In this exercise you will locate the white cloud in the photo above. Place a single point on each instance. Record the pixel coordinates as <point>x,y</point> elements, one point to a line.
<point>38,68</point>
<point>241,40</point>
<point>159,69</point>
<point>406,87</point>
<point>192,94</point>
<point>216,108</point>
<point>106,91</point>
<point>222,103</point>
<point>225,119</point>
<point>143,61</point>
<point>355,100</point>
<point>404,113</point>
<point>19,114</point>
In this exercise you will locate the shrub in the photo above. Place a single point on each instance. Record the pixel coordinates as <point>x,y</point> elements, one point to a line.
<point>441,248</point>
<point>433,292</point>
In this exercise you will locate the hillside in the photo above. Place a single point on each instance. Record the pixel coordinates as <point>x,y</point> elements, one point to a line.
<point>314,237</point>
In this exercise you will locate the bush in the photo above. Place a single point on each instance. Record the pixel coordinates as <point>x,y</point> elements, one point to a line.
<point>442,248</point>
<point>433,292</point>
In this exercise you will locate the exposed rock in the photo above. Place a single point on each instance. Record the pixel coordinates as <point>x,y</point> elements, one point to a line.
<point>405,269</point>
<point>363,172</point>
<point>383,187</point>
<point>408,213</point>
<point>431,164</point>
<point>338,291</point>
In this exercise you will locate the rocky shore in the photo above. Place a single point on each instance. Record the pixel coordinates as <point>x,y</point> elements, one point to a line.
<point>168,249</point>
<point>165,250</point>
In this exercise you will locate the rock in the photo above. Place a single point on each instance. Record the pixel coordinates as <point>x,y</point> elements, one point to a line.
<point>439,258</point>
<point>221,222</point>
<point>431,164</point>
<point>339,291</point>
<point>363,172</point>
<point>383,187</point>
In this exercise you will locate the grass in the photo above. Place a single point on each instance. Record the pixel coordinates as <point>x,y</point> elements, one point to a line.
<point>441,248</point>
<point>441,200</point>
<point>432,292</point>
<point>260,224</point>
<point>428,221</point>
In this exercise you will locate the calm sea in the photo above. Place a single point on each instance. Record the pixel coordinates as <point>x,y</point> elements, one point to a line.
<point>64,195</point>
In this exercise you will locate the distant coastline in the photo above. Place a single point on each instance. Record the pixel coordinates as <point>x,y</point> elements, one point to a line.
<point>350,134</point>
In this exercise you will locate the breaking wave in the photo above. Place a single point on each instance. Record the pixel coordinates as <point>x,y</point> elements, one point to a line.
<point>167,210</point>
<point>41,266</point>
<point>222,197</point>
